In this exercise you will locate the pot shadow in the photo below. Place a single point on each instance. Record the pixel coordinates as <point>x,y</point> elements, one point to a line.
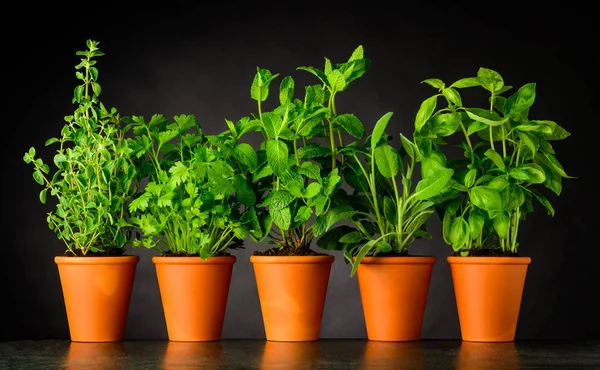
<point>83,355</point>
<point>489,356</point>
<point>392,355</point>
<point>197,355</point>
<point>290,355</point>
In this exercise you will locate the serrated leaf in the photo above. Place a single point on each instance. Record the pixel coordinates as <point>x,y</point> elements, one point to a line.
<point>277,156</point>
<point>351,124</point>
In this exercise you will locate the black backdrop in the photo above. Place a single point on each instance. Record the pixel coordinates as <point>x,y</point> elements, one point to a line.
<point>179,57</point>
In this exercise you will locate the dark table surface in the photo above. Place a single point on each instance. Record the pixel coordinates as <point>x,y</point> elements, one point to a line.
<point>322,354</point>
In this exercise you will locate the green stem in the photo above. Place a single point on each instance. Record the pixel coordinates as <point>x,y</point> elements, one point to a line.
<point>490,127</point>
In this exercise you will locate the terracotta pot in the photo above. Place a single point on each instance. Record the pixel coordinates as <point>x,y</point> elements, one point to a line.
<point>194,295</point>
<point>488,294</point>
<point>292,294</point>
<point>97,291</point>
<point>393,292</point>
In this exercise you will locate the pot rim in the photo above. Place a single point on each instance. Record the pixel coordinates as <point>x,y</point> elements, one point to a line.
<point>326,259</point>
<point>398,260</point>
<point>480,260</point>
<point>88,260</point>
<point>195,260</point>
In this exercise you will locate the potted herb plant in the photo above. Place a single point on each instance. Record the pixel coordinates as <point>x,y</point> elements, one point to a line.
<point>390,215</point>
<point>296,178</point>
<point>508,161</point>
<point>193,212</point>
<point>93,180</point>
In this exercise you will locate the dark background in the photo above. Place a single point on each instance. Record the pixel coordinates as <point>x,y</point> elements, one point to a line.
<point>180,57</point>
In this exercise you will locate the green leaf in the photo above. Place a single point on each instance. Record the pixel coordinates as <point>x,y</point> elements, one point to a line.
<point>277,156</point>
<point>281,217</point>
<point>286,90</point>
<point>487,199</point>
<point>351,124</point>
<point>470,177</point>
<point>466,82</point>
<point>312,190</point>
<point>458,233</point>
<point>543,201</point>
<point>535,171</point>
<point>259,90</point>
<point>516,197</point>
<point>317,73</point>
<point>453,96</point>
<point>365,249</point>
<point>490,79</point>
<point>475,126</point>
<point>313,150</point>
<point>476,222</point>
<point>330,239</point>
<point>550,161</point>
<point>337,81</point>
<point>352,237</point>
<point>433,184</point>
<point>338,214</point>
<point>496,158</point>
<point>303,214</point>
<point>38,177</point>
<point>51,141</point>
<point>557,132</point>
<point>279,199</point>
<point>43,196</point>
<point>357,54</point>
<point>179,173</point>
<point>434,82</point>
<point>379,129</point>
<point>528,142</point>
<point>501,224</point>
<point>390,210</point>
<point>409,146</point>
<point>425,111</point>
<point>273,124</point>
<point>444,124</point>
<point>485,116</point>
<point>386,159</point>
<point>520,101</point>
<point>243,193</point>
<point>246,155</point>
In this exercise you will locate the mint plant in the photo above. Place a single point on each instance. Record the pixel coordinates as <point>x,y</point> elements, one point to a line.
<point>296,175</point>
<point>389,213</point>
<point>196,202</point>
<point>93,176</point>
<point>508,160</point>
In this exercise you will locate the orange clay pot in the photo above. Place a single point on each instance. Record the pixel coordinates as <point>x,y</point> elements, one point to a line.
<point>194,295</point>
<point>394,292</point>
<point>292,294</point>
<point>488,294</point>
<point>97,291</point>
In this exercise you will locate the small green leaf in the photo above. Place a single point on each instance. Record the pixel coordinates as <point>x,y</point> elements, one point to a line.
<point>453,96</point>
<point>379,129</point>
<point>409,146</point>
<point>434,82</point>
<point>312,190</point>
<point>425,111</point>
<point>520,101</point>
<point>476,222</point>
<point>337,81</point>
<point>485,116</point>
<point>43,196</point>
<point>470,177</point>
<point>459,233</point>
<point>303,214</point>
<point>38,177</point>
<point>51,141</point>
<point>286,90</point>
<point>487,199</point>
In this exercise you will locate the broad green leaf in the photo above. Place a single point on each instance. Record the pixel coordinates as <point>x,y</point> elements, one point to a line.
<point>386,159</point>
<point>557,132</point>
<point>444,124</point>
<point>337,214</point>
<point>476,126</point>
<point>313,150</point>
<point>453,96</point>
<point>476,222</point>
<point>357,54</point>
<point>535,171</point>
<point>312,190</point>
<point>281,217</point>
<point>501,224</point>
<point>330,182</point>
<point>490,79</point>
<point>487,199</point>
<point>379,129</point>
<point>520,101</point>
<point>259,90</point>
<point>497,183</point>
<point>550,161</point>
<point>553,180</point>
<point>485,116</point>
<point>351,124</point>
<point>458,233</point>
<point>496,158</point>
<point>352,237</point>
<point>466,82</point>
<point>277,156</point>
<point>279,199</point>
<point>432,163</point>
<point>432,185</point>
<point>516,197</point>
<point>525,138</point>
<point>320,225</point>
<point>337,81</point>
<point>425,111</point>
<point>390,210</point>
<point>317,73</point>
<point>273,124</point>
<point>434,82</point>
<point>243,193</point>
<point>303,214</point>
<point>246,155</point>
